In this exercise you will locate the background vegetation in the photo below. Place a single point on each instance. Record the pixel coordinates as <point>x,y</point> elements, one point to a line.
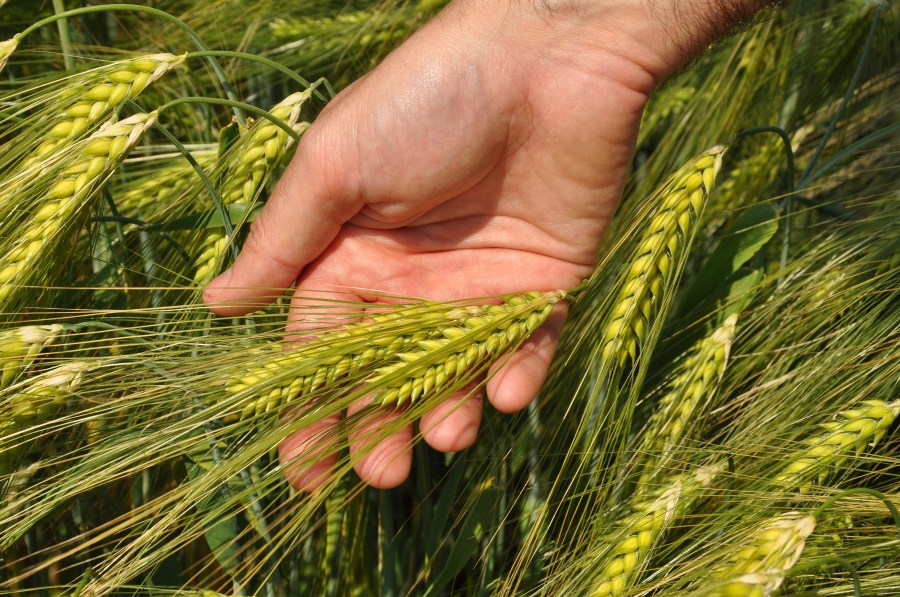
<point>719,420</point>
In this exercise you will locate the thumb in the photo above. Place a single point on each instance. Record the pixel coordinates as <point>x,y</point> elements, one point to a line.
<point>305,212</point>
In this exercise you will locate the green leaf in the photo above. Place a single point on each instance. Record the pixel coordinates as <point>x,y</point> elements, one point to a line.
<point>221,536</point>
<point>227,137</point>
<point>441,515</point>
<point>476,521</point>
<point>741,290</point>
<point>238,213</point>
<point>749,233</point>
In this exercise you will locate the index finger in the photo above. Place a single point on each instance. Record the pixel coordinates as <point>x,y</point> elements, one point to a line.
<point>307,209</point>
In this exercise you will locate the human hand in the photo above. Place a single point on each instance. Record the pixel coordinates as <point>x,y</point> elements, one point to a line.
<point>484,156</point>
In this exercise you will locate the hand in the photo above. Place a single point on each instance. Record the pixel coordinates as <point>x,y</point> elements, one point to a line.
<point>484,156</point>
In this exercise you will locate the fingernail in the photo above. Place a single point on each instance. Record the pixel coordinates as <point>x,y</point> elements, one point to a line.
<point>220,283</point>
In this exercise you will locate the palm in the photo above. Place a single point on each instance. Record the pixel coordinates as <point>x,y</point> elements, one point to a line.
<point>449,173</point>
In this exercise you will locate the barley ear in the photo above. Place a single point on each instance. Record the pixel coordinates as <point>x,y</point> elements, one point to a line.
<point>694,382</point>
<point>100,95</point>
<point>632,547</point>
<point>95,160</point>
<point>6,50</point>
<point>408,355</point>
<point>256,156</point>
<point>848,434</point>
<point>759,565</point>
<point>34,403</point>
<point>660,250</point>
<point>20,346</point>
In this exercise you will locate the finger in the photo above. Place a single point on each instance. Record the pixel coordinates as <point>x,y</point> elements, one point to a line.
<point>452,425</point>
<point>514,382</point>
<point>310,203</point>
<point>381,461</point>
<point>308,457</point>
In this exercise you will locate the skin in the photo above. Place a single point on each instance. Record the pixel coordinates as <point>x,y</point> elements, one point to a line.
<point>486,155</point>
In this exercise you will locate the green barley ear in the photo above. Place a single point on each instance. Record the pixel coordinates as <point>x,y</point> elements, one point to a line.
<point>631,548</point>
<point>99,93</point>
<point>70,191</point>
<point>256,156</point>
<point>848,434</point>
<point>6,50</point>
<point>463,350</point>
<point>694,382</point>
<point>760,564</point>
<point>407,354</point>
<point>148,196</point>
<point>34,403</point>
<point>20,346</point>
<point>283,376</point>
<point>678,206</point>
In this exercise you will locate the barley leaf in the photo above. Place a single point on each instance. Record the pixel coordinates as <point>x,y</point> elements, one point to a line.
<point>749,233</point>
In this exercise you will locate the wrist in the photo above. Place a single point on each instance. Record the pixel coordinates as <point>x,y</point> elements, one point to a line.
<point>659,36</point>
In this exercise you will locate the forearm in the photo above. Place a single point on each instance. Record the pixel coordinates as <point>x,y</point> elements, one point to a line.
<point>681,29</point>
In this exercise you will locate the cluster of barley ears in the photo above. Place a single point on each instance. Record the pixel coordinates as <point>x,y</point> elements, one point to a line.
<point>730,366</point>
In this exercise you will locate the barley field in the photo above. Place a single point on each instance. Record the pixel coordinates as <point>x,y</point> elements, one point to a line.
<point>719,419</point>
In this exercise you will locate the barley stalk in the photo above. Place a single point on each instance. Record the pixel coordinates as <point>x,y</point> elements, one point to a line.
<point>760,564</point>
<point>695,380</point>
<point>426,348</point>
<point>20,346</point>
<point>632,547</point>
<point>95,160</point>
<point>850,433</point>
<point>257,155</point>
<point>106,90</point>
<point>661,247</point>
